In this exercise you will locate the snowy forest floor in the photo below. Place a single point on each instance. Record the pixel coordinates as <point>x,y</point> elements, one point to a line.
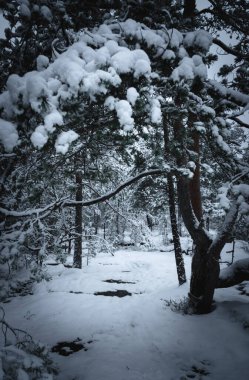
<point>135,337</point>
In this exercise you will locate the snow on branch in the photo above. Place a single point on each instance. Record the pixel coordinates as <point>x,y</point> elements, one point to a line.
<point>45,211</point>
<point>33,212</point>
<point>234,274</point>
<point>233,95</point>
<point>92,67</point>
<point>222,235</point>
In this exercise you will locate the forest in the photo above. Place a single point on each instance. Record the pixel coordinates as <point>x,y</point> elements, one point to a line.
<point>124,208</point>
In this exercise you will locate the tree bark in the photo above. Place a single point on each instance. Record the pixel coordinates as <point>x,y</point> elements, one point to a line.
<point>189,8</point>
<point>172,209</point>
<point>77,259</point>
<point>174,228</point>
<point>195,185</point>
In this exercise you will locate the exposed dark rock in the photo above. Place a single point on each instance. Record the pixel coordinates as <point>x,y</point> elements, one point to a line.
<point>115,293</point>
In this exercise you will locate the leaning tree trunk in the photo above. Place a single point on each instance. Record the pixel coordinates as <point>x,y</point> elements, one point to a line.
<point>78,245</point>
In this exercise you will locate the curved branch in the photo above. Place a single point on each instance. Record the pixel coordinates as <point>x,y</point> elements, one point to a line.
<point>111,194</point>
<point>240,122</point>
<point>230,50</point>
<point>45,211</point>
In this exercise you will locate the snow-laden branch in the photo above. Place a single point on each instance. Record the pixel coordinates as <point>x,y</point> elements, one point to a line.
<point>114,192</point>
<point>236,96</point>
<point>64,202</point>
<point>34,212</point>
<point>222,236</point>
<point>234,274</point>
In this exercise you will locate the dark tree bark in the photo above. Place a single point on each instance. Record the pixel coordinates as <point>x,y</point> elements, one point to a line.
<point>77,259</point>
<point>189,8</point>
<point>194,185</point>
<point>172,209</point>
<point>174,228</point>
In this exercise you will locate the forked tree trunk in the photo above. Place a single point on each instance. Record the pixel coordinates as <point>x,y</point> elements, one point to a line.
<point>205,270</point>
<point>205,263</point>
<point>77,259</point>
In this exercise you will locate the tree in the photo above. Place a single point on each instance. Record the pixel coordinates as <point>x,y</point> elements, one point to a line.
<point>143,75</point>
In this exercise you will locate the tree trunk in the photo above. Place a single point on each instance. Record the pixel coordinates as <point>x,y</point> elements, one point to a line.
<point>194,185</point>
<point>176,239</point>
<point>205,263</point>
<point>77,259</point>
<point>189,8</point>
<point>172,209</point>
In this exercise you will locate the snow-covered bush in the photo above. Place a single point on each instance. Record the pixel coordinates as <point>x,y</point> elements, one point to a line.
<point>141,235</point>
<point>22,358</point>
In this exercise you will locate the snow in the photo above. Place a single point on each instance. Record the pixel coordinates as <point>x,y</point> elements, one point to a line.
<point>142,68</point>
<point>46,13</point>
<point>110,103</point>
<point>124,112</point>
<point>189,68</point>
<point>42,62</point>
<point>64,140</point>
<point>156,113</point>
<point>132,95</point>
<point>24,10</point>
<point>199,40</point>
<point>222,197</point>
<point>8,135</point>
<point>205,110</point>
<point>41,134</point>
<point>39,137</point>
<point>176,38</point>
<point>136,337</point>
<point>230,93</point>
<point>219,140</point>
<point>168,55</point>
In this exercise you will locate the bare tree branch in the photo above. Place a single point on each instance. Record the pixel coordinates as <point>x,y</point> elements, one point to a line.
<point>116,191</point>
<point>230,50</point>
<point>240,122</point>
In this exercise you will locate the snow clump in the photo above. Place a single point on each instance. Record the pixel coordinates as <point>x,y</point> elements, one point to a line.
<point>124,112</point>
<point>42,62</point>
<point>132,95</point>
<point>64,140</point>
<point>189,68</point>
<point>8,135</point>
<point>199,40</point>
<point>156,113</point>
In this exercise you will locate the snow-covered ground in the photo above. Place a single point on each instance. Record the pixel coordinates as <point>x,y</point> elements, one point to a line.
<point>135,337</point>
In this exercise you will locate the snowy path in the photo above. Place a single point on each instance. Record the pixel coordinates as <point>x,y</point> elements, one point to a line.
<point>135,337</point>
